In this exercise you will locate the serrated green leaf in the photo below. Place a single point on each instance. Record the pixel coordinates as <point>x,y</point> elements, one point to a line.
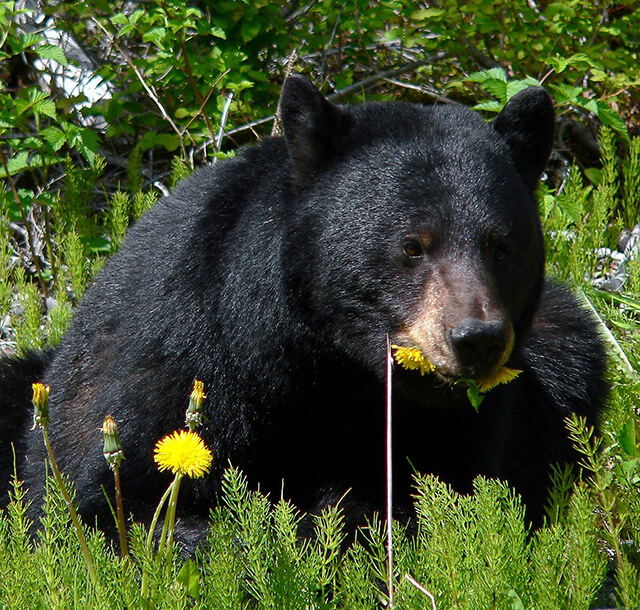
<point>491,106</point>
<point>566,93</point>
<point>497,88</point>
<point>516,86</point>
<point>156,35</point>
<point>571,207</point>
<point>485,75</point>
<point>24,42</point>
<point>54,136</point>
<point>610,118</point>
<point>474,395</point>
<point>589,105</point>
<point>49,51</point>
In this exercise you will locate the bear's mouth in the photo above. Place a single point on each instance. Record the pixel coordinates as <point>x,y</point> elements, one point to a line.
<point>412,358</point>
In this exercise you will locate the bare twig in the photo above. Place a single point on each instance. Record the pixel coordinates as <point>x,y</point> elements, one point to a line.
<point>277,124</point>
<point>389,73</point>
<point>383,75</point>
<point>148,88</point>
<point>25,220</point>
<point>432,93</point>
<point>330,41</point>
<point>223,122</point>
<point>420,588</point>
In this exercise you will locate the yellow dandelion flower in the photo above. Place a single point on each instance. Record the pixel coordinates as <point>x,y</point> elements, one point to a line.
<point>183,452</point>
<point>504,375</point>
<point>40,402</point>
<point>194,416</point>
<point>412,359</point>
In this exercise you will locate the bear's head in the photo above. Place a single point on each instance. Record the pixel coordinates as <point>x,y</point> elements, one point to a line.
<point>418,223</point>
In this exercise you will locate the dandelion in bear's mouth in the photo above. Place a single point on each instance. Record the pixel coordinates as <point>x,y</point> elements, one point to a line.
<point>504,375</point>
<point>412,359</point>
<point>184,453</point>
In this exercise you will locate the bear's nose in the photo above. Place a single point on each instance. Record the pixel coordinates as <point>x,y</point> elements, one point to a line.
<point>479,345</point>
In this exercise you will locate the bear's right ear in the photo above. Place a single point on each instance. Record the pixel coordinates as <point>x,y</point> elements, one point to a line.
<point>314,128</point>
<point>527,123</point>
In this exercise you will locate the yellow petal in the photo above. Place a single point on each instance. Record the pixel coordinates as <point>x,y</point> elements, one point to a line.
<point>183,452</point>
<point>504,375</point>
<point>412,359</point>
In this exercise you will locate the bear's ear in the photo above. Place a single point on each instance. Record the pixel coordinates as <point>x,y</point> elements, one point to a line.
<point>527,123</point>
<point>314,128</point>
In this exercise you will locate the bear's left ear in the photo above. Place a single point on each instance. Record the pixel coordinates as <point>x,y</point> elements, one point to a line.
<point>314,128</point>
<point>527,123</point>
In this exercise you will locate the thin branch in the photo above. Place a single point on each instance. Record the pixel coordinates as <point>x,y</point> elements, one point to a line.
<point>370,80</point>
<point>223,122</point>
<point>432,93</point>
<point>25,220</point>
<point>420,588</point>
<point>383,74</point>
<point>148,88</point>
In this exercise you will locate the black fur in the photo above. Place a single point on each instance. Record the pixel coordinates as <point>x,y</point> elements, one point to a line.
<point>276,277</point>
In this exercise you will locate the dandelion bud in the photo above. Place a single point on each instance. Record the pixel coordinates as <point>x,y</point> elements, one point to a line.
<point>112,449</point>
<point>194,416</point>
<point>40,402</point>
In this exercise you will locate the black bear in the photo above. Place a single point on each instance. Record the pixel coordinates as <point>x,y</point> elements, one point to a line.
<point>276,278</point>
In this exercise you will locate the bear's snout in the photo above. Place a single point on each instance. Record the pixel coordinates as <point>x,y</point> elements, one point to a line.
<point>480,346</point>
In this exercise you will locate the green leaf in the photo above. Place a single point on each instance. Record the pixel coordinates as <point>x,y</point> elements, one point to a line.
<point>610,118</point>
<point>485,75</point>
<point>188,577</point>
<point>516,86</point>
<point>627,438</point>
<point>594,175</point>
<point>571,207</point>
<point>54,136</point>
<point>96,244</point>
<point>49,51</point>
<point>491,106</point>
<point>249,30</point>
<point>156,35</point>
<point>473,394</point>
<point>426,14</point>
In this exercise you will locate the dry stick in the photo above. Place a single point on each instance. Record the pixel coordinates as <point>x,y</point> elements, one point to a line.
<point>384,74</point>
<point>25,220</point>
<point>194,87</point>
<point>223,122</point>
<point>148,88</point>
<point>389,479</point>
<point>420,588</point>
<point>205,100</point>
<point>276,130</point>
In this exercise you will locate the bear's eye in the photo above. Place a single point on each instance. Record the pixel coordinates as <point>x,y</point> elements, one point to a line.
<point>500,253</point>
<point>412,248</point>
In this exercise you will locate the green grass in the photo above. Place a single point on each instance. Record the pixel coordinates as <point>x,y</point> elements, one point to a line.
<point>470,551</point>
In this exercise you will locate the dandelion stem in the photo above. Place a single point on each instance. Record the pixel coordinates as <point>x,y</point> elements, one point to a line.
<point>152,528</point>
<point>122,531</point>
<point>72,510</point>
<point>170,520</point>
